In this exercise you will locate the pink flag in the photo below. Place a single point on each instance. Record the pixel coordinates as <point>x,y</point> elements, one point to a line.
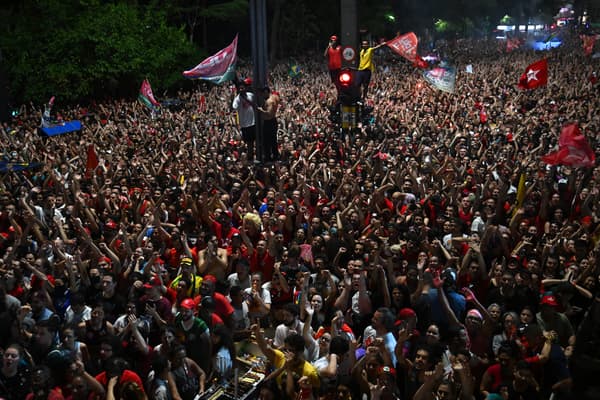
<point>573,149</point>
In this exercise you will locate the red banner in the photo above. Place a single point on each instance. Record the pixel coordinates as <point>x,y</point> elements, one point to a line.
<point>405,46</point>
<point>535,75</point>
<point>573,149</point>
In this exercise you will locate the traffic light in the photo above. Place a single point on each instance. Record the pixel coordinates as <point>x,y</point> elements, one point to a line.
<point>348,90</point>
<point>345,78</point>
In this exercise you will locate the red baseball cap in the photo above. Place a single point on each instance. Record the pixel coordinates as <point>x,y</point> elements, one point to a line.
<point>549,300</point>
<point>188,304</point>
<point>152,283</point>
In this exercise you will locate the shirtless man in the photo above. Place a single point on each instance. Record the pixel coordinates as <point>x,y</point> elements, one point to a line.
<point>213,259</point>
<point>269,113</point>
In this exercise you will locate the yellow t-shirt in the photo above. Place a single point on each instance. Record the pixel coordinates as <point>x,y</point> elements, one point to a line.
<point>192,291</point>
<point>305,370</point>
<point>366,59</point>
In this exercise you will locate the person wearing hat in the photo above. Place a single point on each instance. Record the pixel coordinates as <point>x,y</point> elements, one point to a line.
<point>550,319</point>
<point>187,272</point>
<point>244,104</point>
<point>333,53</point>
<point>156,308</point>
<point>193,332</point>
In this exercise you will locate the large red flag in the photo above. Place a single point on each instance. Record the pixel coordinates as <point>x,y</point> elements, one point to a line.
<point>406,46</point>
<point>92,161</point>
<point>573,149</point>
<point>535,75</point>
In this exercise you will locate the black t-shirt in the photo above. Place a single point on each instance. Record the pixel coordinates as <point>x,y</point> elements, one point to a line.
<point>15,387</point>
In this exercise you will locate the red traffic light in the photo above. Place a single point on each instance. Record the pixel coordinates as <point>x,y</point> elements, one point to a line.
<point>345,78</point>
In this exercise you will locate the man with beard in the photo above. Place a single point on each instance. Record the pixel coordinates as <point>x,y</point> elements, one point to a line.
<point>414,370</point>
<point>290,325</point>
<point>194,334</point>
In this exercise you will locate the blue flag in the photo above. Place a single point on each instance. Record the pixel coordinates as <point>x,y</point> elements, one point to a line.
<point>442,77</point>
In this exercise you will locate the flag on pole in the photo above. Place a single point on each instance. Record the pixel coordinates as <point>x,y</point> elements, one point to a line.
<point>442,77</point>
<point>217,68</point>
<point>573,149</point>
<point>406,46</point>
<point>535,75</point>
<point>146,97</point>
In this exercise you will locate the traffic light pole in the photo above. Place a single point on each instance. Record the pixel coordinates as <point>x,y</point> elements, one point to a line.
<point>258,35</point>
<point>349,30</point>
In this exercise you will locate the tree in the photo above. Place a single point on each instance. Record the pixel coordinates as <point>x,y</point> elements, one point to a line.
<point>200,12</point>
<point>103,49</point>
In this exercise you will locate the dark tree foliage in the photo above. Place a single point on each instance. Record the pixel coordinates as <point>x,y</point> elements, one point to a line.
<point>79,49</point>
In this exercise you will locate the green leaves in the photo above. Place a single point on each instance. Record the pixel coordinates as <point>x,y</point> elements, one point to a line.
<point>51,50</point>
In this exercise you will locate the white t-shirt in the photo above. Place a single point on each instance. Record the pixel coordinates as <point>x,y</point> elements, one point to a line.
<point>244,109</point>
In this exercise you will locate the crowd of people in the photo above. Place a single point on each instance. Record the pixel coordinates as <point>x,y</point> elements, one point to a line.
<point>427,254</point>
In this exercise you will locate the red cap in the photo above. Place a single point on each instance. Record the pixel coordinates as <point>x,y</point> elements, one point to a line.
<point>111,225</point>
<point>248,81</point>
<point>406,313</point>
<point>154,281</point>
<point>104,259</point>
<point>333,38</point>
<point>210,278</point>
<point>188,304</point>
<point>549,300</point>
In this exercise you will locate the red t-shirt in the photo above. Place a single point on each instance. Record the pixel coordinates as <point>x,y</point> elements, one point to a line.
<point>263,264</point>
<point>334,57</point>
<point>126,376</point>
<point>223,307</point>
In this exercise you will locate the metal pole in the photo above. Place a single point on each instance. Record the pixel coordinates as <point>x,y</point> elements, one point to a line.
<point>349,29</point>
<point>258,27</point>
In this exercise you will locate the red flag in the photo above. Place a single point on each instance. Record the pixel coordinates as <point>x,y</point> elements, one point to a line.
<point>535,75</point>
<point>573,149</point>
<point>588,43</point>
<point>92,161</point>
<point>483,115</point>
<point>405,45</point>
<point>512,43</point>
<point>420,63</point>
<point>146,96</point>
